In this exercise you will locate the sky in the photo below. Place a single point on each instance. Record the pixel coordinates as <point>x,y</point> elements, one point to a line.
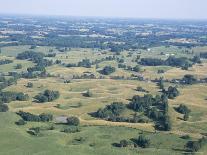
<point>165,9</point>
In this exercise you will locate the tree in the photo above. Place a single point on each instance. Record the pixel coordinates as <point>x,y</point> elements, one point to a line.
<point>29,85</point>
<point>186,116</point>
<point>46,117</point>
<point>143,142</point>
<point>107,70</point>
<point>161,84</point>
<point>172,92</point>
<point>137,68</point>
<point>189,79</point>
<point>73,121</point>
<point>111,111</point>
<point>47,96</point>
<point>123,143</point>
<point>88,93</point>
<point>183,109</point>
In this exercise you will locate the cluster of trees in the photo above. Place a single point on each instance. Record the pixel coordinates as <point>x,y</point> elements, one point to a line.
<point>107,70</point>
<point>84,76</point>
<point>156,108</point>
<point>141,141</point>
<point>7,82</point>
<point>189,79</point>
<point>111,112</point>
<point>73,121</point>
<point>140,89</point>
<point>182,62</point>
<point>50,55</point>
<point>203,55</point>
<point>137,68</point>
<point>73,125</point>
<point>26,116</point>
<point>47,96</point>
<point>37,58</point>
<point>85,63</point>
<point>183,109</point>
<point>71,129</point>
<point>171,92</point>
<point>7,97</point>
<point>195,146</point>
<point>3,62</point>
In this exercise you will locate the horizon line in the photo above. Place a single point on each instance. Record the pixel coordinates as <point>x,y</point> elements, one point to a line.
<point>100,17</point>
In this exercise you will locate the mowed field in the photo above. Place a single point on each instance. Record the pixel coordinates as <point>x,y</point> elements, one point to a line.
<point>98,136</point>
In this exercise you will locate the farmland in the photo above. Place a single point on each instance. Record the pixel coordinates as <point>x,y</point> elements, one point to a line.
<point>53,73</point>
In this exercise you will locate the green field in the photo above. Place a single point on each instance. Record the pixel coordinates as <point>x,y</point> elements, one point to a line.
<point>99,136</point>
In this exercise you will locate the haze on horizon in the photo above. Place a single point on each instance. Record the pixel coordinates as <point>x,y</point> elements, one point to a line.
<point>165,9</point>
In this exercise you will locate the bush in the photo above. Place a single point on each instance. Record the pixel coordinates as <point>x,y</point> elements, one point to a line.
<point>87,94</point>
<point>26,116</point>
<point>107,70</point>
<point>172,92</point>
<point>195,146</point>
<point>71,129</point>
<point>21,122</point>
<point>74,121</point>
<point>29,85</point>
<point>47,96</point>
<point>186,116</point>
<point>123,143</point>
<point>46,117</point>
<point>143,142</point>
<point>189,79</point>
<point>185,137</point>
<point>111,111</point>
<point>34,131</point>
<point>7,97</point>
<point>183,109</point>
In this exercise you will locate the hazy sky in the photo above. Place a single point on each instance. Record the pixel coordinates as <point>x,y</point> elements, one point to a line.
<point>190,9</point>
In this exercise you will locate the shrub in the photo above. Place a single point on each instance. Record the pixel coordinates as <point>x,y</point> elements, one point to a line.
<point>186,116</point>
<point>21,122</point>
<point>123,143</point>
<point>47,96</point>
<point>73,121</point>
<point>71,129</point>
<point>26,116</point>
<point>29,85</point>
<point>143,142</point>
<point>87,94</point>
<point>111,111</point>
<point>107,70</point>
<point>34,131</point>
<point>183,109</point>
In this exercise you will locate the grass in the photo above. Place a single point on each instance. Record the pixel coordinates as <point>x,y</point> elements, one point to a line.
<point>91,140</point>
<point>97,136</point>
